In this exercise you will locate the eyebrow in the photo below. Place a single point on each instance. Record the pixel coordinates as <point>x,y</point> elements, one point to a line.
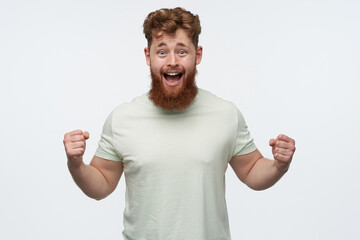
<point>161,44</point>
<point>180,44</point>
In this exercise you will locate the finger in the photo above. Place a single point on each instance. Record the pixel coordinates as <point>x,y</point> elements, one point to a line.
<point>71,134</point>
<point>86,135</point>
<point>76,152</point>
<point>282,158</point>
<point>75,138</point>
<point>286,145</point>
<point>75,132</point>
<point>272,142</point>
<point>76,145</point>
<point>285,138</point>
<point>283,151</point>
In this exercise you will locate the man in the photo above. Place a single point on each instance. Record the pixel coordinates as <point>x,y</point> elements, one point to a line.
<point>174,144</point>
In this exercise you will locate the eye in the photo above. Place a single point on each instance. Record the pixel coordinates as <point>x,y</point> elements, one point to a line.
<point>182,52</point>
<point>161,52</point>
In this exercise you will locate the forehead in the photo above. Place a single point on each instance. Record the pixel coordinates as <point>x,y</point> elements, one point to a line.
<point>180,37</point>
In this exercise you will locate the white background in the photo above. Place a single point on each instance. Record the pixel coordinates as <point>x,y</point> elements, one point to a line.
<point>290,66</point>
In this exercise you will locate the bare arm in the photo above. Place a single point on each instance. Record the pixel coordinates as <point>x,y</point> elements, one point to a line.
<point>260,173</point>
<point>98,179</point>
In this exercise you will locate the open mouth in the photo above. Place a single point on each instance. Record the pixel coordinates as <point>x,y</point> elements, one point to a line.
<point>172,79</point>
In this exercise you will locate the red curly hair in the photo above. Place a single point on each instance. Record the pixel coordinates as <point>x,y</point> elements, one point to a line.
<point>167,20</point>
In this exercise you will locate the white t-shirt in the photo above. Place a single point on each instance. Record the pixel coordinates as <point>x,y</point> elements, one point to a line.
<point>174,166</point>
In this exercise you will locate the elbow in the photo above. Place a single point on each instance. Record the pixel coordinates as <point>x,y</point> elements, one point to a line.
<point>258,186</point>
<point>99,195</point>
<point>96,197</point>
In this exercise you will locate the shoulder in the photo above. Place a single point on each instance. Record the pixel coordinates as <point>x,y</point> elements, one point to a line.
<point>210,100</point>
<point>139,103</point>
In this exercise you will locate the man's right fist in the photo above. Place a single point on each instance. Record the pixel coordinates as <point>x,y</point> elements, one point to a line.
<point>75,145</point>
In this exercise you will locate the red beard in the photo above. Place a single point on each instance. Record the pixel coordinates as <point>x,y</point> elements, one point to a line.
<point>178,100</point>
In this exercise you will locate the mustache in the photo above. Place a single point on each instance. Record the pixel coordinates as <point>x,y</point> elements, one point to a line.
<point>170,69</point>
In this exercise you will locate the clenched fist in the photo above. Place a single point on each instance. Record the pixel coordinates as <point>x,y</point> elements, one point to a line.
<point>283,149</point>
<point>75,144</point>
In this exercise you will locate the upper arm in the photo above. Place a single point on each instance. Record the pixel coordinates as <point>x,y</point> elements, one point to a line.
<point>111,170</point>
<point>242,164</point>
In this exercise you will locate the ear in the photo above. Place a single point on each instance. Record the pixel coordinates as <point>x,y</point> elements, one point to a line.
<point>147,56</point>
<point>199,52</point>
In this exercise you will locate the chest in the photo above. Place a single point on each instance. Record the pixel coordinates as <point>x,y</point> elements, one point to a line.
<point>174,142</point>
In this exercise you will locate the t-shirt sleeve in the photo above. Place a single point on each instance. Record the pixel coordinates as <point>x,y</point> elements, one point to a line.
<point>244,143</point>
<point>106,148</point>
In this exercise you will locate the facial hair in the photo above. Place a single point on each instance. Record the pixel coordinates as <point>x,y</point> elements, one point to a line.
<point>173,100</point>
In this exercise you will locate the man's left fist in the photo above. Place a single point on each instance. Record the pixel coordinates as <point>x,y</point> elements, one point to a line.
<point>283,149</point>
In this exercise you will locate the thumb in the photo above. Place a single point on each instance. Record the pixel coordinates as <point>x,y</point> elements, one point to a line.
<point>86,135</point>
<point>272,142</point>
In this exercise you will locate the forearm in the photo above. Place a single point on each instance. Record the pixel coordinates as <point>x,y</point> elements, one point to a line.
<point>263,174</point>
<point>90,180</point>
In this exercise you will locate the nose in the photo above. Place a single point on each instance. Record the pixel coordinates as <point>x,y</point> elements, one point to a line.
<point>172,61</point>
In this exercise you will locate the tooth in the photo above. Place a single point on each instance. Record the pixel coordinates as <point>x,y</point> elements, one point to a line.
<point>172,74</point>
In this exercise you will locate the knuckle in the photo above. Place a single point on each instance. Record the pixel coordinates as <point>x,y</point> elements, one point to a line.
<point>66,145</point>
<point>69,133</point>
<point>78,138</point>
<point>69,153</point>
